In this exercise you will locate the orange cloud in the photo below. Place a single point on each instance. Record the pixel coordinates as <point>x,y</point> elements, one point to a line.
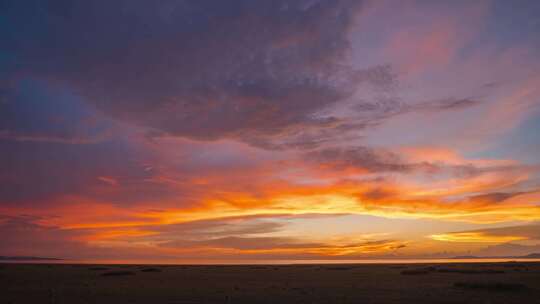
<point>493,235</point>
<point>296,187</point>
<point>475,237</point>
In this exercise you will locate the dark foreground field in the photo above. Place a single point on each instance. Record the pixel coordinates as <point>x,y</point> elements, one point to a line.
<point>442,283</point>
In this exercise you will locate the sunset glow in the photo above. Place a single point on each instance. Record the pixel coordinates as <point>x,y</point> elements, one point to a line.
<point>269,130</point>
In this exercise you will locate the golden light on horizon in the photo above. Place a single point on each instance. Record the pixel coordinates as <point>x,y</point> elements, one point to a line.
<point>476,237</point>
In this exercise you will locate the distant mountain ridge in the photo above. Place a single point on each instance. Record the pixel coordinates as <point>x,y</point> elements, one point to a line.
<point>528,256</point>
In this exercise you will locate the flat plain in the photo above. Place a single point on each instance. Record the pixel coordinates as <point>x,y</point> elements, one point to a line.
<point>509,282</point>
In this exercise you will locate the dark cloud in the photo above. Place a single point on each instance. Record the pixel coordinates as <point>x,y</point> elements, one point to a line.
<point>494,197</point>
<point>381,108</point>
<point>446,104</point>
<point>200,69</point>
<point>33,172</point>
<point>53,144</point>
<point>264,72</point>
<point>361,158</point>
<point>378,194</point>
<point>379,160</point>
<point>115,170</point>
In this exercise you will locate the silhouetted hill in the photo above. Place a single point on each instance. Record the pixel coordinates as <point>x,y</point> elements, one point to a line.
<point>532,256</point>
<point>528,256</point>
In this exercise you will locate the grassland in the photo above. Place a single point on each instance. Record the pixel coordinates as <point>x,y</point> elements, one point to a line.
<point>364,283</point>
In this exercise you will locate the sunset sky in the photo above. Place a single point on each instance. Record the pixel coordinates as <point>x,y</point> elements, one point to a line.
<point>273,130</point>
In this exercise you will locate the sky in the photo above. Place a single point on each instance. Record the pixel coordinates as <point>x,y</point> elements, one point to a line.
<point>269,130</point>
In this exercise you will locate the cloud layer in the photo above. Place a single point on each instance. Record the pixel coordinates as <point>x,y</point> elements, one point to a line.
<point>237,128</point>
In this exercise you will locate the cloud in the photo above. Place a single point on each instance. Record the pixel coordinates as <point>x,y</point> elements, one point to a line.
<point>360,158</point>
<point>215,228</point>
<point>379,109</point>
<point>244,243</point>
<point>446,104</point>
<point>33,111</point>
<point>494,197</point>
<point>474,237</point>
<point>440,207</point>
<point>287,246</point>
<point>493,235</point>
<point>425,38</point>
<point>253,235</point>
<point>23,234</point>
<point>53,144</point>
<point>202,70</point>
<point>269,74</point>
<point>43,172</point>
<point>363,159</point>
<point>153,124</point>
<point>235,237</point>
